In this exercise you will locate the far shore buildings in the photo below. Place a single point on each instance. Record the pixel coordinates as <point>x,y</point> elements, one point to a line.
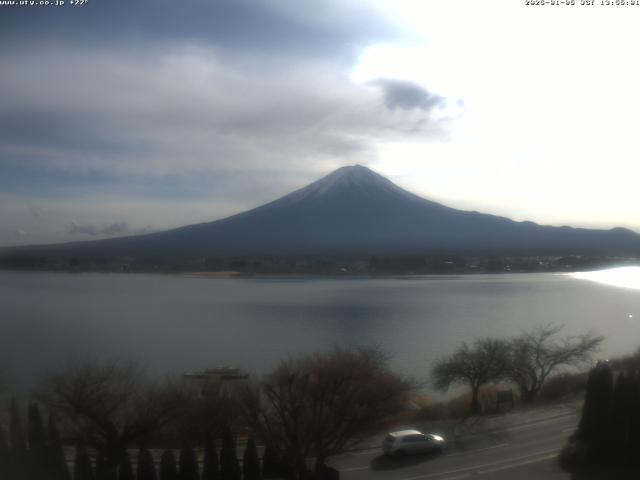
<point>216,380</point>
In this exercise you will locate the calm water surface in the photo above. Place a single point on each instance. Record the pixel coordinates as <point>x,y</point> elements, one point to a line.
<point>178,323</point>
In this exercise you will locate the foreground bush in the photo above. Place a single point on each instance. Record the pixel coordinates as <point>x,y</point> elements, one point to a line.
<point>563,386</point>
<point>609,429</point>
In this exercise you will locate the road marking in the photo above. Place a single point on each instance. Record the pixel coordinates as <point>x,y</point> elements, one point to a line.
<point>473,468</point>
<point>516,427</point>
<point>501,468</point>
<point>523,426</point>
<point>519,464</point>
<point>354,469</point>
<point>368,451</point>
<point>466,453</point>
<point>529,426</point>
<point>526,426</point>
<point>469,452</point>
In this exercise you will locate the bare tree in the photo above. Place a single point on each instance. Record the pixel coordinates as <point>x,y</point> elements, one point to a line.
<point>110,405</point>
<point>536,354</point>
<point>320,404</point>
<point>206,414</point>
<point>474,366</point>
<point>5,381</point>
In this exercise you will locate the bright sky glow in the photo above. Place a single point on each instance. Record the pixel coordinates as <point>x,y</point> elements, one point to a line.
<point>550,95</point>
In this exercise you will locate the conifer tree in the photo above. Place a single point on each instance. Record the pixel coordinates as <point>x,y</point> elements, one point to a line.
<point>35,429</point>
<point>619,421</point>
<point>56,459</point>
<point>188,464</point>
<point>82,469</point>
<point>270,463</point>
<point>285,468</point>
<point>16,432</point>
<point>633,444</point>
<point>210,467</point>
<point>103,470</point>
<point>596,413</point>
<point>251,461</point>
<point>4,455</point>
<point>146,467</point>
<point>19,453</point>
<point>587,425</point>
<point>229,465</point>
<point>599,446</point>
<point>37,458</point>
<point>100,468</point>
<point>168,470</point>
<point>125,472</point>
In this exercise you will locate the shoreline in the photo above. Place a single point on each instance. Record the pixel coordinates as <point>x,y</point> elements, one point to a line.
<point>237,274</point>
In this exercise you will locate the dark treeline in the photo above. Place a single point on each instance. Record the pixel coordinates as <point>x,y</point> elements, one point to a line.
<point>118,425</point>
<point>34,451</point>
<point>609,429</point>
<point>399,264</point>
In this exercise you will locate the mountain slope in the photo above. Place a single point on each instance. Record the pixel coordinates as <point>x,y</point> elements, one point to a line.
<point>355,211</point>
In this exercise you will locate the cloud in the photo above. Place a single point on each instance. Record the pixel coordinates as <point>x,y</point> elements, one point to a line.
<point>222,104</point>
<point>286,28</point>
<point>407,95</point>
<point>36,212</point>
<point>145,211</point>
<point>184,111</point>
<point>113,229</point>
<point>117,228</point>
<point>21,233</point>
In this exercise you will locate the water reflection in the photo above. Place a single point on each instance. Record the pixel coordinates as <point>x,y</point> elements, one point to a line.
<point>175,323</point>
<point>624,277</point>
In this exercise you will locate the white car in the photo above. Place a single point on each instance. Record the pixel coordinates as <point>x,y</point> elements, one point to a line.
<point>409,442</point>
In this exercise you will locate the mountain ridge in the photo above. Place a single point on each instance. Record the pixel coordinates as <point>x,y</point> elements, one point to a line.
<point>350,211</point>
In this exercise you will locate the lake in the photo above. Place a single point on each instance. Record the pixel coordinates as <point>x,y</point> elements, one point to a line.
<point>175,323</point>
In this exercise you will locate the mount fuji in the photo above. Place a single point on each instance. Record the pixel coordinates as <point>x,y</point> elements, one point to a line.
<point>352,211</point>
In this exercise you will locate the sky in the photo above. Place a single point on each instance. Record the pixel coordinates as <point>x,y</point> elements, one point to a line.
<point>121,117</point>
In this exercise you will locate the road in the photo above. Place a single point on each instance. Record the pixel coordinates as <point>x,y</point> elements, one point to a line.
<point>520,446</point>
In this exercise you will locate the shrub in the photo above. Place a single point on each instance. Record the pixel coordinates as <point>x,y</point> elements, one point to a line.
<point>562,386</point>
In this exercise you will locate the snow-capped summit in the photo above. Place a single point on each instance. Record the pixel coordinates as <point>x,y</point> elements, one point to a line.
<point>349,181</point>
<point>352,176</point>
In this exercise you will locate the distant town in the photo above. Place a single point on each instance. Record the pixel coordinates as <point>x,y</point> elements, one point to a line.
<point>322,265</point>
